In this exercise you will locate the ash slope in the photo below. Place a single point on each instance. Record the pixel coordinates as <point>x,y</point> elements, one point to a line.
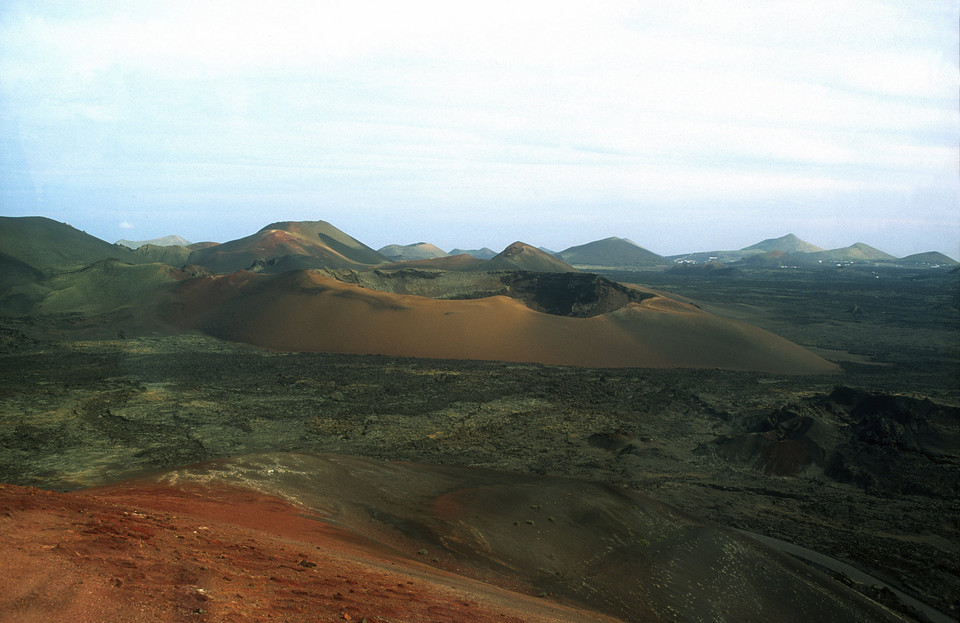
<point>309,311</point>
<point>600,551</point>
<point>149,552</point>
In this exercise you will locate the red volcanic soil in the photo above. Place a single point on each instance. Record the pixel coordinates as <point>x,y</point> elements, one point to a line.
<point>150,552</point>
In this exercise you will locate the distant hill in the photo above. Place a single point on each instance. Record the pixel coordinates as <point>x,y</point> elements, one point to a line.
<point>47,245</point>
<point>522,256</point>
<point>173,255</point>
<point>480,254</point>
<point>858,252</point>
<point>930,258</point>
<point>788,244</point>
<point>610,252</point>
<point>704,257</point>
<point>517,256</point>
<point>164,241</point>
<point>416,251</point>
<point>771,259</point>
<point>461,262</point>
<point>315,244</point>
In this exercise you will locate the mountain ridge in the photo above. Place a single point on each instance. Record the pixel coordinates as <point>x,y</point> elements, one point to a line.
<point>164,241</point>
<point>314,242</point>
<point>291,245</point>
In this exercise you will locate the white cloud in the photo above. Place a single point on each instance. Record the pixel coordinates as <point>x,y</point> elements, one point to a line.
<point>126,225</point>
<point>453,103</point>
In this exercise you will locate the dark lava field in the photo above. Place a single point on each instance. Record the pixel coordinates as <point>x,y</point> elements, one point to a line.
<point>861,466</point>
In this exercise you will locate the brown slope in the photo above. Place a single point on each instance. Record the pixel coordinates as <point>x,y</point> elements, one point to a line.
<point>415,251</point>
<point>332,238</point>
<point>368,525</point>
<point>307,311</point>
<point>329,538</point>
<point>148,551</point>
<point>317,243</point>
<point>521,256</point>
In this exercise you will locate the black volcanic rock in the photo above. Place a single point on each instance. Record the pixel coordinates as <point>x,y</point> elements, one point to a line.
<point>580,295</point>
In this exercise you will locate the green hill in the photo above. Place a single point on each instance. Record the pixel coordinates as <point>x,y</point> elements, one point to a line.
<point>50,246</point>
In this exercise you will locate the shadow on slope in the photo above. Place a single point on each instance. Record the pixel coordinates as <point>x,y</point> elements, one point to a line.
<point>890,444</point>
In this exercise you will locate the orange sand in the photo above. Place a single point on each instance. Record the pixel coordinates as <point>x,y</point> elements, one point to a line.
<point>306,311</point>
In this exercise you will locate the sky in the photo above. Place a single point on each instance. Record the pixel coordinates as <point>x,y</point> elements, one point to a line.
<point>687,125</point>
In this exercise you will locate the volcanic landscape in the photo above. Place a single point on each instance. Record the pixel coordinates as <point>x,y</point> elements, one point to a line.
<point>295,426</point>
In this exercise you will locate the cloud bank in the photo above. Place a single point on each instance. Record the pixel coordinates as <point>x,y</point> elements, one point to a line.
<point>680,125</point>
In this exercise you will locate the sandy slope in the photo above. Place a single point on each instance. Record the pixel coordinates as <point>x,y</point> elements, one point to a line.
<point>306,311</point>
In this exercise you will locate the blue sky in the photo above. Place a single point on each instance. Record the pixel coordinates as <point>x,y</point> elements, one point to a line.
<point>682,125</point>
